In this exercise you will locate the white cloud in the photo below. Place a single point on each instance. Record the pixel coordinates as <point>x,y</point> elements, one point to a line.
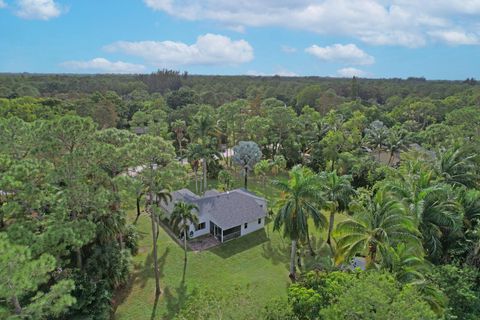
<point>38,9</point>
<point>468,7</point>
<point>286,73</point>
<point>209,49</point>
<point>103,65</point>
<point>351,72</point>
<point>380,22</point>
<point>281,73</point>
<point>2,4</point>
<point>237,28</point>
<point>165,5</point>
<point>257,74</point>
<point>288,49</point>
<point>346,53</point>
<point>453,37</point>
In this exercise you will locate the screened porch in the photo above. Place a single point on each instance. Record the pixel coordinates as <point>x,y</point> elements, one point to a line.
<point>224,235</point>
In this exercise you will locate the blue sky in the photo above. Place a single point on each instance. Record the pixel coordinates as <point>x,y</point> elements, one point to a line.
<point>437,39</point>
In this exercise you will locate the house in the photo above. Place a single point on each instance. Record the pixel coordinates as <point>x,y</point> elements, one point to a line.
<point>358,262</point>
<point>354,263</point>
<point>140,130</point>
<point>429,154</point>
<point>384,156</point>
<point>225,215</point>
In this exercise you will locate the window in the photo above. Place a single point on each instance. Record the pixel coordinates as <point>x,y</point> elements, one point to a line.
<point>245,226</point>
<point>200,226</point>
<point>259,220</point>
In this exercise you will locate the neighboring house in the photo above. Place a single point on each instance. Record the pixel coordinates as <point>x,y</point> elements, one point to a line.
<point>384,156</point>
<point>355,262</point>
<point>227,215</point>
<point>140,130</point>
<point>431,155</point>
<point>4,194</point>
<point>358,262</point>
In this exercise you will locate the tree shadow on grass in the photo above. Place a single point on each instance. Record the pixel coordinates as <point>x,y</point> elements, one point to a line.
<point>176,299</point>
<point>321,261</point>
<point>121,294</point>
<point>280,252</point>
<point>154,309</point>
<point>146,272</point>
<point>140,277</point>
<point>276,253</point>
<point>241,244</point>
<point>318,243</point>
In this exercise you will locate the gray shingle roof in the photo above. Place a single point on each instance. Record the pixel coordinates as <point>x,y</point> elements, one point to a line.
<point>140,130</point>
<point>227,210</point>
<point>211,192</point>
<point>231,209</point>
<point>245,191</point>
<point>179,195</point>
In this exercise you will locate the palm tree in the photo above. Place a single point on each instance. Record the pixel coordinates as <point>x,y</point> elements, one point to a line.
<point>261,169</point>
<point>207,155</point>
<point>467,241</point>
<point>194,154</point>
<point>183,216</point>
<point>406,262</point>
<point>202,128</point>
<point>376,135</point>
<point>438,214</point>
<point>179,127</point>
<point>457,167</point>
<point>139,187</point>
<point>210,157</point>
<point>278,164</point>
<point>396,140</point>
<point>470,201</point>
<point>472,237</point>
<point>433,206</point>
<point>409,266</point>
<point>376,225</point>
<point>230,115</point>
<point>337,192</point>
<point>300,199</point>
<point>161,195</point>
<point>225,180</point>
<point>155,193</point>
<point>155,155</point>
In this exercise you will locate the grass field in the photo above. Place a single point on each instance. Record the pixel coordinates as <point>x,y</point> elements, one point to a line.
<point>256,263</point>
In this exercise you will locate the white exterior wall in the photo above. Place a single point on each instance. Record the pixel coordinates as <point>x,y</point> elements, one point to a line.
<point>252,226</point>
<point>203,231</point>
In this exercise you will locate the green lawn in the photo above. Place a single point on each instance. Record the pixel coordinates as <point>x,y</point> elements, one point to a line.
<point>257,263</point>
